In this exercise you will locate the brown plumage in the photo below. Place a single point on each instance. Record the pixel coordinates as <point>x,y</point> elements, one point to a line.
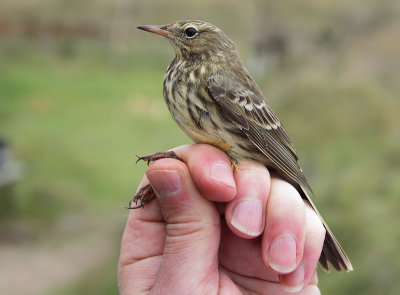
<point>213,98</point>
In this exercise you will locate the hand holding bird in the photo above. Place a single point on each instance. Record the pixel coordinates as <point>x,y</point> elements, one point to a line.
<point>200,236</point>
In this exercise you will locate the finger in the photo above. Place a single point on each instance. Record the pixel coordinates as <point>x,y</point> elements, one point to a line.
<point>211,171</point>
<point>243,256</point>
<point>141,248</point>
<point>315,235</point>
<point>245,215</point>
<point>283,239</point>
<point>192,229</point>
<point>314,279</point>
<point>257,286</point>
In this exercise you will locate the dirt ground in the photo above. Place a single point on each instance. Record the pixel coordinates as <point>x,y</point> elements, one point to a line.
<point>39,267</point>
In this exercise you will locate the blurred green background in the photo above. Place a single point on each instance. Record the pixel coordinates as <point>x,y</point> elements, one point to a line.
<point>81,94</point>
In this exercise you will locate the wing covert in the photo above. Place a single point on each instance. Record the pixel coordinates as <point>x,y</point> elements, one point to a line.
<point>254,117</point>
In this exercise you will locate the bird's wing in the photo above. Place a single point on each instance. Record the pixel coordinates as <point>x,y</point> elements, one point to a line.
<point>254,117</point>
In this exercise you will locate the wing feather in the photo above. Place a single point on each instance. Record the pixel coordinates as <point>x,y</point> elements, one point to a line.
<point>257,121</point>
<point>253,116</point>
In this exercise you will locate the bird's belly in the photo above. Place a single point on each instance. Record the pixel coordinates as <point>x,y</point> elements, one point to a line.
<point>200,137</point>
<point>235,146</point>
<point>200,128</point>
<point>203,124</point>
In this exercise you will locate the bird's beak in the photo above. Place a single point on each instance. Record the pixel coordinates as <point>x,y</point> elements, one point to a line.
<point>159,30</point>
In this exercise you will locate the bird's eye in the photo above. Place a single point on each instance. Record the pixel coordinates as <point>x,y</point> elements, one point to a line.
<point>190,32</point>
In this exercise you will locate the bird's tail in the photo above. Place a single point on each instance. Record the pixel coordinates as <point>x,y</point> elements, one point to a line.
<point>332,252</point>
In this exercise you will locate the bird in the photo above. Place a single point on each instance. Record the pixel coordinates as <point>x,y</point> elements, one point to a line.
<point>212,97</point>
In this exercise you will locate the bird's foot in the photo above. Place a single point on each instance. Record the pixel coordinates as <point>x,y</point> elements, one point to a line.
<point>146,193</point>
<point>159,155</point>
<point>144,196</point>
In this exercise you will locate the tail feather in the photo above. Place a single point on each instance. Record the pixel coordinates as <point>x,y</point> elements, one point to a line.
<point>332,252</point>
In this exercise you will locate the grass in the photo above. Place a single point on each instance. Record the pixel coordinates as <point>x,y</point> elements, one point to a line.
<point>66,117</point>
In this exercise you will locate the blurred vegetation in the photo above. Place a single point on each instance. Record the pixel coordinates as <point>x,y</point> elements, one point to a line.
<point>81,94</point>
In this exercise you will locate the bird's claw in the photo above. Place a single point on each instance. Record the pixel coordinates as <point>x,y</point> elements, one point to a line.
<point>144,195</point>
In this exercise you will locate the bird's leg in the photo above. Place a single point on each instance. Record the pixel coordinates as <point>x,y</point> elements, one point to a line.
<point>235,165</point>
<point>146,193</point>
<point>234,161</point>
<point>158,156</point>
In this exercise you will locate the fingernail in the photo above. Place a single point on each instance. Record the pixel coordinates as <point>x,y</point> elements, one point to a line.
<point>165,182</point>
<point>222,172</point>
<point>247,217</point>
<point>282,254</point>
<point>294,281</point>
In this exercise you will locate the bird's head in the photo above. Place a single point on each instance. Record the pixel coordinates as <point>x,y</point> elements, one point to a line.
<point>195,38</point>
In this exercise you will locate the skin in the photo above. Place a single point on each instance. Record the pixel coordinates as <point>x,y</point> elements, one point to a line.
<point>179,244</point>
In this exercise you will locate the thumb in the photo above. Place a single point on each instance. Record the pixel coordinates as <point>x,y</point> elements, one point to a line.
<point>193,230</point>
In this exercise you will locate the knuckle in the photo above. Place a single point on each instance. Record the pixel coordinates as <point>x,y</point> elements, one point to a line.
<point>249,166</point>
<point>253,174</point>
<point>285,190</point>
<point>314,223</point>
<point>311,290</point>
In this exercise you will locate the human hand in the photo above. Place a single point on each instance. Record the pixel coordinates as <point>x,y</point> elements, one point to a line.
<point>179,244</point>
